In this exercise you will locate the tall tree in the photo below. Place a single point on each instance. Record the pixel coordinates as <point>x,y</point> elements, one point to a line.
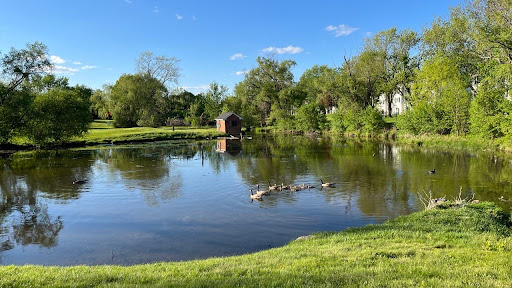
<point>440,86</point>
<point>138,100</point>
<point>19,66</point>
<point>164,69</point>
<point>214,96</point>
<point>392,48</point>
<point>262,85</point>
<point>321,85</point>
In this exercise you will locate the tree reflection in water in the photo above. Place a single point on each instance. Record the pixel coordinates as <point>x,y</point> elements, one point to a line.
<point>196,188</point>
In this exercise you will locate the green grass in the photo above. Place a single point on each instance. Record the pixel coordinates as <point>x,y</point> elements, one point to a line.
<point>102,132</point>
<point>461,247</point>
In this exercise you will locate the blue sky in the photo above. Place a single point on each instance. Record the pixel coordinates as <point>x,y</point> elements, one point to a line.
<point>94,42</point>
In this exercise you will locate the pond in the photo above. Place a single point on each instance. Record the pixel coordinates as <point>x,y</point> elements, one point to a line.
<point>172,201</point>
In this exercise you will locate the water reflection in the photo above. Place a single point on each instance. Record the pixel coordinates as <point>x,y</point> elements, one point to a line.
<point>186,200</point>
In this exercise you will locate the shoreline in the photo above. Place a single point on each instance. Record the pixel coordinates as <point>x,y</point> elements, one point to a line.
<point>451,245</point>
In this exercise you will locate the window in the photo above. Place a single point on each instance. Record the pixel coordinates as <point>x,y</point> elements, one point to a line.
<point>234,123</point>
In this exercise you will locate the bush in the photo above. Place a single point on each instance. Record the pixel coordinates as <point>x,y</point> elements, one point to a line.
<point>310,117</point>
<point>371,120</point>
<point>58,115</point>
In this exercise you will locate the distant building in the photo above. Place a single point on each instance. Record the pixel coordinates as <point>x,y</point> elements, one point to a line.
<point>398,106</point>
<point>229,123</point>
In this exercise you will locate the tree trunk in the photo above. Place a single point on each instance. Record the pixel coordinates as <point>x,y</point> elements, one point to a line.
<point>390,102</point>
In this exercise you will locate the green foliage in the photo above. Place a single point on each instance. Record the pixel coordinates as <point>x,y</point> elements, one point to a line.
<point>310,117</point>
<point>261,87</point>
<point>58,115</point>
<point>439,100</point>
<point>14,113</point>
<point>138,100</point>
<point>100,102</point>
<point>17,67</point>
<point>372,121</point>
<point>321,84</point>
<point>213,104</point>
<point>490,108</point>
<point>196,115</point>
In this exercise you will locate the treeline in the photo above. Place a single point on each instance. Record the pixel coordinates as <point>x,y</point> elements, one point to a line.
<point>455,77</point>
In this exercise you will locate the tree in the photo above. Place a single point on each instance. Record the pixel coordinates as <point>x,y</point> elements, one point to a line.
<point>19,66</point>
<point>391,50</point>
<point>214,96</point>
<point>310,117</point>
<point>162,68</point>
<point>197,110</point>
<point>100,102</point>
<point>138,100</point>
<point>321,85</point>
<point>440,92</point>
<point>181,100</point>
<point>453,38</point>
<point>42,84</point>
<point>261,86</point>
<point>58,115</point>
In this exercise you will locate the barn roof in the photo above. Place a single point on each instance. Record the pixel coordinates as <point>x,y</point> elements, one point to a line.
<point>226,115</point>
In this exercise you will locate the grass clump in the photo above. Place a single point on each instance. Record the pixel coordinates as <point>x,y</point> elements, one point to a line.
<point>442,247</point>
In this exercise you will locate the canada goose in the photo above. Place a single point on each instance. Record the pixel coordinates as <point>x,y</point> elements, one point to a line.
<point>310,186</point>
<point>79,181</point>
<point>255,196</point>
<point>261,192</point>
<point>287,187</point>
<point>328,184</point>
<point>274,187</point>
<point>432,171</point>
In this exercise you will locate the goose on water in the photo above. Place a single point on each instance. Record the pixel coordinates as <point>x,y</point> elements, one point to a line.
<point>432,171</point>
<point>261,192</point>
<point>79,181</point>
<point>255,196</point>
<point>327,184</point>
<point>272,187</point>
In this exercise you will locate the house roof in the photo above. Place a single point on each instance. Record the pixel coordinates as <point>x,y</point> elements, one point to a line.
<point>226,115</point>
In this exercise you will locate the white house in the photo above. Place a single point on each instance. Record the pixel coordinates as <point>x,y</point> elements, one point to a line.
<point>398,106</point>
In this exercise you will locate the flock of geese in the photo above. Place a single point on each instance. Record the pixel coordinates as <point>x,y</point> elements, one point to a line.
<point>258,194</point>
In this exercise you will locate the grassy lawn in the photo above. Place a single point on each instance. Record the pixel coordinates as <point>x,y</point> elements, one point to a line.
<point>102,132</point>
<point>455,247</point>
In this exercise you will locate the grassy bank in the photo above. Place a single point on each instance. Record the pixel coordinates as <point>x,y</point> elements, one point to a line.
<point>103,132</point>
<point>461,247</point>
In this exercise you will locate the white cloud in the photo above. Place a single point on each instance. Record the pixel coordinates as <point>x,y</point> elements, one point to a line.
<point>179,17</point>
<point>241,72</point>
<point>341,30</point>
<point>285,50</point>
<point>155,9</point>
<point>88,67</point>
<point>57,69</point>
<point>77,62</point>
<point>56,60</point>
<point>237,56</point>
<point>196,89</point>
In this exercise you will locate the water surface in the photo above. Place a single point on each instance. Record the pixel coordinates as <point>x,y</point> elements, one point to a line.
<point>187,200</point>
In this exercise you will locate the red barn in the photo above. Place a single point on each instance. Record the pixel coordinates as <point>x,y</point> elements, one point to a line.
<point>229,123</point>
